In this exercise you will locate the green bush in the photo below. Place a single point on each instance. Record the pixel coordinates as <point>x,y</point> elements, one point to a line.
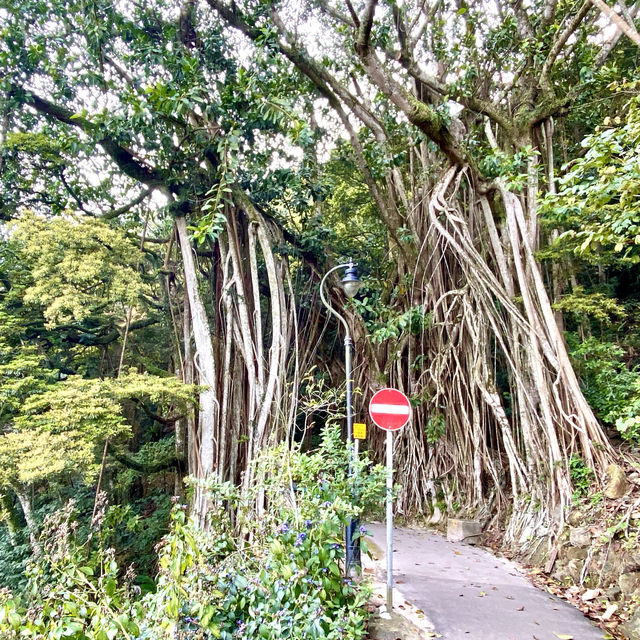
<point>611,389</point>
<point>270,565</point>
<point>74,590</point>
<point>282,576</point>
<point>581,477</point>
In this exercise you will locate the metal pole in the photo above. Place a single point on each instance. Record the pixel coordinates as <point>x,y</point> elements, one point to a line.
<point>389,521</point>
<point>352,548</point>
<point>347,369</point>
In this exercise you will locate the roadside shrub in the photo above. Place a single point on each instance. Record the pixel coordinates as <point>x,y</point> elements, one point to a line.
<point>277,573</point>
<point>73,591</point>
<point>269,566</point>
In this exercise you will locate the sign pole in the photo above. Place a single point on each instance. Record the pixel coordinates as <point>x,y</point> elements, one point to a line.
<point>390,410</point>
<point>389,521</point>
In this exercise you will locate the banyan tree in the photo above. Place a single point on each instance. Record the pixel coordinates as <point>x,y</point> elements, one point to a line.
<point>452,114</point>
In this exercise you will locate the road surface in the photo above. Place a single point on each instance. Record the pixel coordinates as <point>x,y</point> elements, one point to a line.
<point>467,593</point>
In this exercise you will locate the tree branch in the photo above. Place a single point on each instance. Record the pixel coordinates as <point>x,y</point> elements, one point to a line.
<point>629,30</point>
<point>326,84</point>
<point>364,32</point>
<point>114,213</point>
<point>131,462</point>
<point>90,339</point>
<point>560,41</point>
<point>72,193</point>
<point>354,15</point>
<point>123,157</point>
<point>167,422</point>
<point>609,46</point>
<point>343,18</point>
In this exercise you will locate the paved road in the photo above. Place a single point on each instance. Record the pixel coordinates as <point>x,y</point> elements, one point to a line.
<point>468,593</point>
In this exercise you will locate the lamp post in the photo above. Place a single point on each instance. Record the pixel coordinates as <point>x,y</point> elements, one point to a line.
<point>350,285</point>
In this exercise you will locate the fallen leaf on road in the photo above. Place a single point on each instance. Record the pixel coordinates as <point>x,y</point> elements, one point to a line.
<point>482,594</point>
<point>564,636</point>
<point>520,608</point>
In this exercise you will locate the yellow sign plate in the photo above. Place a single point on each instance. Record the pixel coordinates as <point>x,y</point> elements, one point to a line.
<point>359,430</point>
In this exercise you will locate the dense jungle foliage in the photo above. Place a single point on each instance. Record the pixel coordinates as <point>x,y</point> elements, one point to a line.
<point>176,177</point>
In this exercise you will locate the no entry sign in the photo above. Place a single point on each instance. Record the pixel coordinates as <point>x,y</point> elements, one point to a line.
<point>390,409</point>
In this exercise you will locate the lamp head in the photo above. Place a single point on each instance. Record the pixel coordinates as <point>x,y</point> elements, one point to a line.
<point>351,283</point>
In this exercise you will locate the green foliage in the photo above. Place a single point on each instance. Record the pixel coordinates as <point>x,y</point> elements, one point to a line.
<point>14,555</point>
<point>134,528</point>
<point>291,585</point>
<point>79,266</point>
<point>581,477</point>
<point>596,305</point>
<point>628,415</point>
<point>435,428</point>
<point>58,429</point>
<point>608,384</point>
<point>384,323</point>
<point>287,584</point>
<point>597,205</point>
<point>73,591</point>
<point>511,167</point>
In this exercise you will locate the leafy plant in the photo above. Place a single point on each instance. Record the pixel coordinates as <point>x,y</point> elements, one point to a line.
<point>279,575</point>
<point>581,476</point>
<point>73,591</point>
<point>290,584</point>
<point>597,204</point>
<point>607,382</point>
<point>435,428</point>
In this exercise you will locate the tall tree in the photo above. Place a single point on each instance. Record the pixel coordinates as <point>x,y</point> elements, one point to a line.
<point>481,85</point>
<point>150,101</point>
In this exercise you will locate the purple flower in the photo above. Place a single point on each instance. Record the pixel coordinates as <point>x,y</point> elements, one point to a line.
<point>308,523</point>
<point>363,529</point>
<point>326,504</point>
<point>300,539</point>
<point>284,527</point>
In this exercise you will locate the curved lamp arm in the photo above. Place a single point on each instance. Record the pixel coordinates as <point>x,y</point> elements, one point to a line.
<point>326,303</point>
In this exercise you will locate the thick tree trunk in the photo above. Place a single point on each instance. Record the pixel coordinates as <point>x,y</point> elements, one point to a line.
<point>10,519</point>
<point>205,365</point>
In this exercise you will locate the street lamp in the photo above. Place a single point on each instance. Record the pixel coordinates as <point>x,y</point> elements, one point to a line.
<point>350,284</point>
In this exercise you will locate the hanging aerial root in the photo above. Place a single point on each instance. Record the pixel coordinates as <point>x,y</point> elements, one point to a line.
<point>497,365</point>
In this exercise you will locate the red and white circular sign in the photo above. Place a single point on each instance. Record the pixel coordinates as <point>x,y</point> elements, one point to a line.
<point>390,409</point>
